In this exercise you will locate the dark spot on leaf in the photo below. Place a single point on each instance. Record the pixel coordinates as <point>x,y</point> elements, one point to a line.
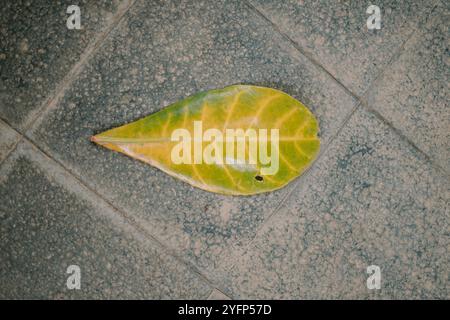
<point>259,178</point>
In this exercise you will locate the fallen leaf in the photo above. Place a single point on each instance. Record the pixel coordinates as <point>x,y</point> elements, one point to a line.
<point>198,139</point>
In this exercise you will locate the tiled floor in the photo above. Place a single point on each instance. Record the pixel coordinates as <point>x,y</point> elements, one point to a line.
<point>378,194</point>
<point>371,199</point>
<point>50,221</point>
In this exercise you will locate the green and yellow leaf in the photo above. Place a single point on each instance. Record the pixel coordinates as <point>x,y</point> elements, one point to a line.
<point>235,107</point>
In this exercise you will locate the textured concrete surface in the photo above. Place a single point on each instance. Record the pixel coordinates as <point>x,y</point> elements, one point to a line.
<point>49,222</point>
<point>217,295</point>
<point>123,83</point>
<point>378,194</point>
<point>335,34</point>
<point>8,138</point>
<point>413,94</point>
<point>37,50</point>
<point>370,200</point>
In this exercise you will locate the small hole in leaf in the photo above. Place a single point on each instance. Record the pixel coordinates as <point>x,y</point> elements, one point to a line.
<point>259,178</point>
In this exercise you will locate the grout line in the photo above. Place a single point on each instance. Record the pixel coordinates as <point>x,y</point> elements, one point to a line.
<point>11,150</point>
<point>434,163</point>
<point>14,145</point>
<point>300,49</point>
<point>386,122</point>
<point>220,292</point>
<point>35,118</point>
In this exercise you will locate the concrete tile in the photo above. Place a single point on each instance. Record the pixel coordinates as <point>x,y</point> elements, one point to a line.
<point>37,50</point>
<point>8,137</point>
<point>413,94</point>
<point>370,200</point>
<point>49,222</point>
<point>160,53</point>
<point>335,33</point>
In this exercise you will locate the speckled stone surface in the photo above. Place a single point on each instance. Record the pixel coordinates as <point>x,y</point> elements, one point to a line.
<point>8,137</point>
<point>335,33</point>
<point>378,194</point>
<point>217,295</point>
<point>413,94</point>
<point>159,54</point>
<point>48,222</point>
<point>37,50</point>
<point>370,200</point>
